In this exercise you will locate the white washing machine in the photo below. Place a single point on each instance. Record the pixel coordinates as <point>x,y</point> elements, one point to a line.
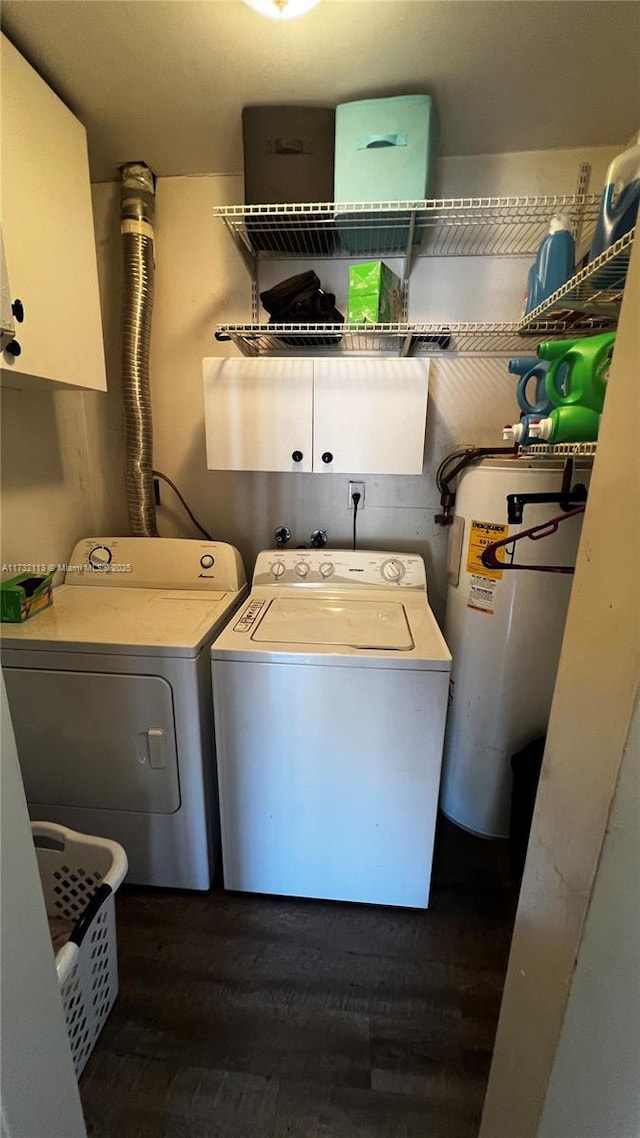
<point>110,698</point>
<point>330,696</point>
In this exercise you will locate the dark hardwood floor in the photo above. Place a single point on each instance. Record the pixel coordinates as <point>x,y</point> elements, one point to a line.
<point>259,1017</point>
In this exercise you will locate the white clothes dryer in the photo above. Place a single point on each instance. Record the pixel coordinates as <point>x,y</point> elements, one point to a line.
<point>330,697</point>
<point>110,698</point>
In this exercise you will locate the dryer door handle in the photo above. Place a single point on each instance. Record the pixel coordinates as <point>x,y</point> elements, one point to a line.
<point>156,748</point>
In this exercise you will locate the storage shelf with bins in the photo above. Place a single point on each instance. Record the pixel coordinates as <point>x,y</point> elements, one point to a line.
<point>456,227</point>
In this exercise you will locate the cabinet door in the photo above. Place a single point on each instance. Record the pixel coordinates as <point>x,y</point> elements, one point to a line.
<point>369,415</point>
<point>48,235</point>
<point>258,414</point>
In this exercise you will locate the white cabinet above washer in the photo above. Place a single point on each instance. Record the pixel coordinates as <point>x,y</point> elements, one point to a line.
<point>258,414</point>
<point>355,415</point>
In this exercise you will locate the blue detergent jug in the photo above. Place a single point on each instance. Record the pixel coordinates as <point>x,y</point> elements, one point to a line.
<point>554,264</point>
<point>620,198</point>
<point>531,371</point>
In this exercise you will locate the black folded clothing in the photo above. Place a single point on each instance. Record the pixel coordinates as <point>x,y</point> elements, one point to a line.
<point>301,300</point>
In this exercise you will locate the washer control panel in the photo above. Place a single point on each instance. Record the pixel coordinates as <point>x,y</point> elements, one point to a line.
<point>249,616</point>
<point>339,567</point>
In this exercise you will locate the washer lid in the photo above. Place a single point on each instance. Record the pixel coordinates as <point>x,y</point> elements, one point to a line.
<point>333,621</point>
<point>140,622</point>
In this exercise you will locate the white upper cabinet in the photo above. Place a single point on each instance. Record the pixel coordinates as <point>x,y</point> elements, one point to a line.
<point>258,414</point>
<point>355,415</point>
<point>49,238</point>
<point>369,415</point>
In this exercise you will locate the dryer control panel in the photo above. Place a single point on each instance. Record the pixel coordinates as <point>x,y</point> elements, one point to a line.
<point>338,568</point>
<point>156,563</point>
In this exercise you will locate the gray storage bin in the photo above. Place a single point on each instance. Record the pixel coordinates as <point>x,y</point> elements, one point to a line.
<point>289,157</point>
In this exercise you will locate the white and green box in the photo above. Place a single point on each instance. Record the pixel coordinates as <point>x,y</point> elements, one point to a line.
<point>375,294</point>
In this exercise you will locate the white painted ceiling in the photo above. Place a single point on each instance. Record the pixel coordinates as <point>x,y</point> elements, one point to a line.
<point>165,80</point>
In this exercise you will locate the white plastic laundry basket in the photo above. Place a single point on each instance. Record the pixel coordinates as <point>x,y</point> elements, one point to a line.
<point>80,875</point>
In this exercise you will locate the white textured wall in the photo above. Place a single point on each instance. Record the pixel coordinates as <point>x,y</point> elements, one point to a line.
<point>201,281</point>
<point>594,1088</point>
<point>61,474</point>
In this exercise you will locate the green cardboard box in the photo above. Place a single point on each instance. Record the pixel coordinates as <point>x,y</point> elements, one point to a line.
<point>24,596</point>
<point>375,294</point>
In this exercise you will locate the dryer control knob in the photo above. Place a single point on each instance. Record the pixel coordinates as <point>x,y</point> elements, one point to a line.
<point>277,569</point>
<point>326,569</point>
<point>302,569</point>
<point>392,570</point>
<point>100,557</point>
<point>207,561</point>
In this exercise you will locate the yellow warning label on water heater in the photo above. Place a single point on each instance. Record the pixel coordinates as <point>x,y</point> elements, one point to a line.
<point>482,534</point>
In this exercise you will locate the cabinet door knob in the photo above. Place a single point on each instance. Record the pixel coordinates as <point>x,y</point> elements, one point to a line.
<point>327,456</point>
<point>297,456</point>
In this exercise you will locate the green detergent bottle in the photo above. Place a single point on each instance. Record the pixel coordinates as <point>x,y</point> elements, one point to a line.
<point>577,375</point>
<point>567,425</point>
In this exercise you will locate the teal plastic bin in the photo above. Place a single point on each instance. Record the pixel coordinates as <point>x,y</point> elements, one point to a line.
<point>385,151</point>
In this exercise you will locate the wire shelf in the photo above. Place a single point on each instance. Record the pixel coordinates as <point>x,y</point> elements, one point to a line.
<point>462,227</point>
<point>436,339</point>
<point>592,298</point>
<point>540,450</point>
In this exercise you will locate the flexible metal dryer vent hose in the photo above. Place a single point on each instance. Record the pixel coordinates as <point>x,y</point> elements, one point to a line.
<point>137,209</point>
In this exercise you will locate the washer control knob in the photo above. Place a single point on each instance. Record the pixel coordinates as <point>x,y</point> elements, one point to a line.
<point>326,569</point>
<point>207,561</point>
<point>277,569</point>
<point>392,570</point>
<point>100,557</point>
<point>302,569</point>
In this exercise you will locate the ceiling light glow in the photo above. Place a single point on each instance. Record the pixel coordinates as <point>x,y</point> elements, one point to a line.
<point>282,9</point>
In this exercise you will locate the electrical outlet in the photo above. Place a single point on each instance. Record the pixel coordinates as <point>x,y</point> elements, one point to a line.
<point>356,488</point>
